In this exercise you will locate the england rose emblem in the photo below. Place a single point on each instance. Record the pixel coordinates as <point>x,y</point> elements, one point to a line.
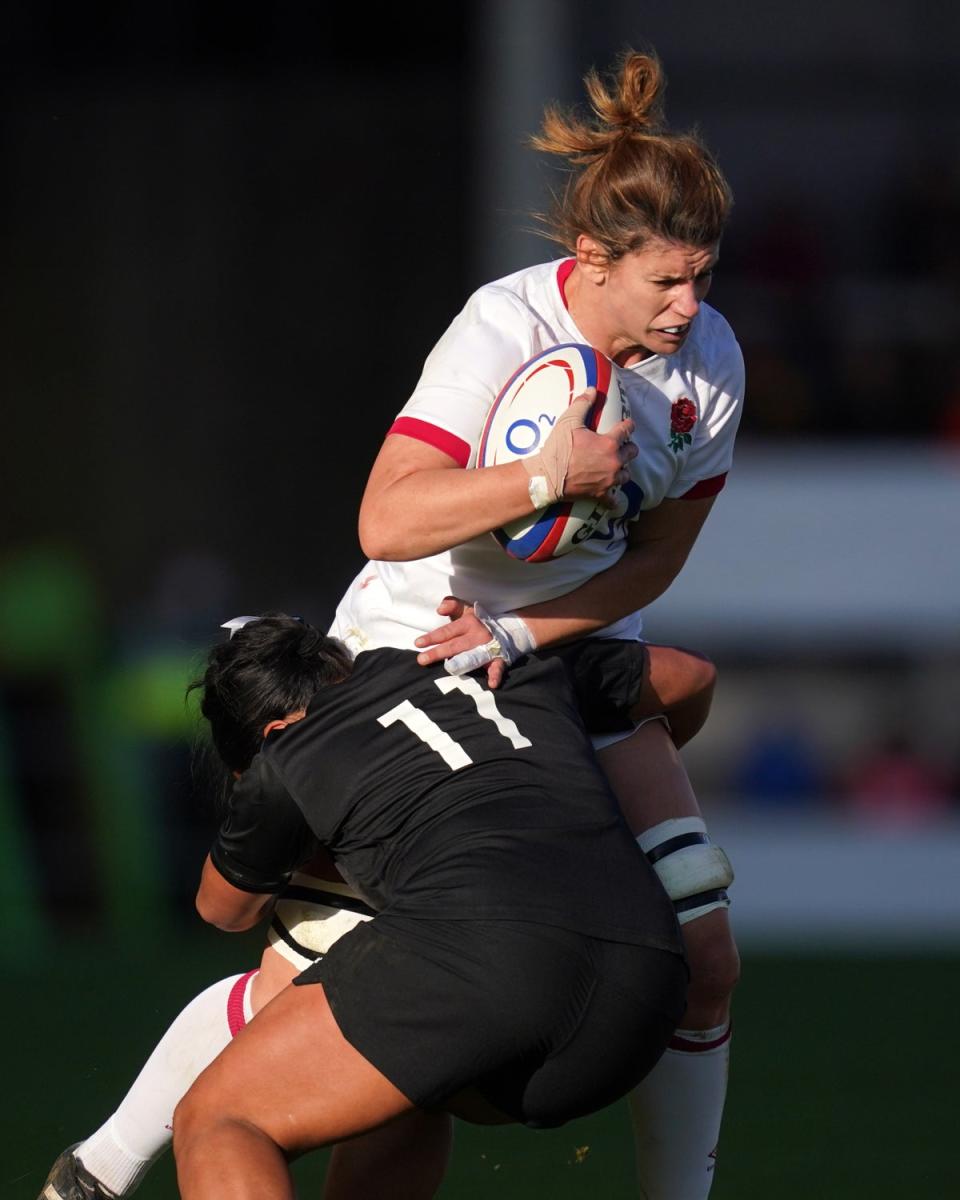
<point>683,417</point>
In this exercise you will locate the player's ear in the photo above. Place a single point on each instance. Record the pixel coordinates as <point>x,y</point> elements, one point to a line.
<point>283,722</point>
<point>592,259</point>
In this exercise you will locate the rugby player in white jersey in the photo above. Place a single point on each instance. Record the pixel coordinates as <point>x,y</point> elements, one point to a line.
<point>641,216</point>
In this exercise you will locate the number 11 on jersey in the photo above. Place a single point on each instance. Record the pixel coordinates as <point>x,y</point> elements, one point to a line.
<point>430,733</point>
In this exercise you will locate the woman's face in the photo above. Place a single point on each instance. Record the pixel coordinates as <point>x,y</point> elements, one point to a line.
<point>646,302</point>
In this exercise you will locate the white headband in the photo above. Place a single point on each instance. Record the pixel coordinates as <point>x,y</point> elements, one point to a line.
<point>236,623</point>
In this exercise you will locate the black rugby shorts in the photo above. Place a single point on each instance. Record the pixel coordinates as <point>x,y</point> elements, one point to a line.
<point>547,1024</point>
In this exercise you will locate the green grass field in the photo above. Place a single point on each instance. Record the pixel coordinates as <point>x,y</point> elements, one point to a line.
<point>844,1079</point>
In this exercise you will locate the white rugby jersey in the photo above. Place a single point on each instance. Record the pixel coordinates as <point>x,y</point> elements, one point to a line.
<point>686,407</point>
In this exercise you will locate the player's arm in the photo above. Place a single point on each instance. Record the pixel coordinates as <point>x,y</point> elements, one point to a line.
<point>228,907</point>
<point>262,840</point>
<point>418,503</point>
<point>658,544</point>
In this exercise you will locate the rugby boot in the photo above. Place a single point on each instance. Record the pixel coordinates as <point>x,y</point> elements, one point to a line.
<point>69,1179</point>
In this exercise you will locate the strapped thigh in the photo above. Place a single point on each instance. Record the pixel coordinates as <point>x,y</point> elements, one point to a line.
<point>694,872</point>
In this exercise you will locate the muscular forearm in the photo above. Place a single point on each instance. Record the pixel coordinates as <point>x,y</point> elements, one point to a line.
<point>417,503</point>
<point>658,546</point>
<point>430,511</point>
<point>636,580</point>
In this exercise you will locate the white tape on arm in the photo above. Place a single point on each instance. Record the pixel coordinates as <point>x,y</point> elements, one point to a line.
<point>510,639</point>
<point>694,872</point>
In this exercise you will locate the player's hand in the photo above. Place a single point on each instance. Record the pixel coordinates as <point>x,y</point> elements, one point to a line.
<point>574,463</point>
<point>463,632</point>
<point>474,638</point>
<point>598,462</point>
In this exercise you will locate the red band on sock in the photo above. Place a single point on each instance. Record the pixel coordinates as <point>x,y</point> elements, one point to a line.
<point>235,1018</point>
<point>691,1047</point>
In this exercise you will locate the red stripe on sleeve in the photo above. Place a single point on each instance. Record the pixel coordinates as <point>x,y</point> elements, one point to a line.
<point>706,487</point>
<point>423,431</point>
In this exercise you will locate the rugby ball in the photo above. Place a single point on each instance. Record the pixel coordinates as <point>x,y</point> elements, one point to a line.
<point>520,421</point>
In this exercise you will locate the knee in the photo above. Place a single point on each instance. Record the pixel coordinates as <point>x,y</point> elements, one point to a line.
<point>693,698</point>
<point>714,963</point>
<point>188,1119</point>
<point>701,674</point>
<point>677,675</point>
<point>197,1115</point>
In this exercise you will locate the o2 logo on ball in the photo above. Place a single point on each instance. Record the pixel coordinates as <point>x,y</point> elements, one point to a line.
<point>523,436</point>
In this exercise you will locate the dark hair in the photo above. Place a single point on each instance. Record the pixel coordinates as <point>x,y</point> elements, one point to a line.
<point>270,668</point>
<point>632,179</point>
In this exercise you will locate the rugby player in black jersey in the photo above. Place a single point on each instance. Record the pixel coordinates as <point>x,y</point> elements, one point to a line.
<point>505,977</point>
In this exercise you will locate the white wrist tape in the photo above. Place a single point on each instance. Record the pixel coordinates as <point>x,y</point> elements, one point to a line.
<point>510,639</point>
<point>540,492</point>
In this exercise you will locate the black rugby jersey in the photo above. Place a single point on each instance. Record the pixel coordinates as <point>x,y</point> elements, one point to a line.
<point>439,798</point>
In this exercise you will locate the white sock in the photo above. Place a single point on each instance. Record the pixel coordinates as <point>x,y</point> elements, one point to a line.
<point>676,1113</point>
<point>121,1151</point>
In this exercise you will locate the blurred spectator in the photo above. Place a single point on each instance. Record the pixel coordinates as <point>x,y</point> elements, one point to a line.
<point>99,823</point>
<point>892,784</point>
<point>50,644</point>
<point>780,768</point>
<point>162,649</point>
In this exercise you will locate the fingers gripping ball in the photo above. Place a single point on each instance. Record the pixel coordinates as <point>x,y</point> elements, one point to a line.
<point>527,422</point>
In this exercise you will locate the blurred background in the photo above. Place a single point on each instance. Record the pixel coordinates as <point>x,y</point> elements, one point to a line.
<point>230,235</point>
